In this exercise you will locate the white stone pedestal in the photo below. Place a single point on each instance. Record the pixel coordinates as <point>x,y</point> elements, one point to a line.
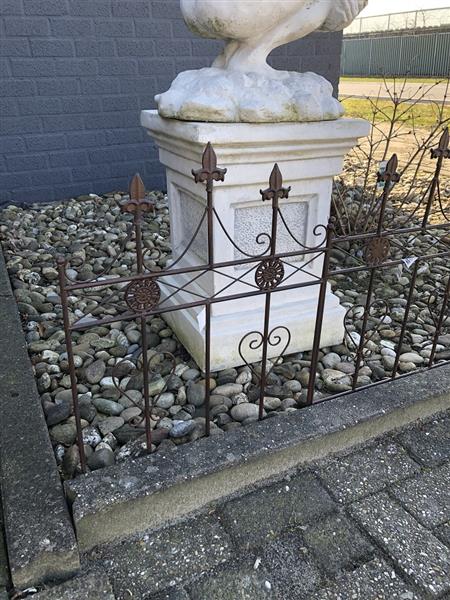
<point>308,155</point>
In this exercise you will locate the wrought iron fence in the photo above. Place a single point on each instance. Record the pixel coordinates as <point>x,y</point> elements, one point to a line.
<point>363,256</point>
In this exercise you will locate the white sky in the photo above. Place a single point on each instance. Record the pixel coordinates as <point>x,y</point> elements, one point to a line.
<point>382,7</point>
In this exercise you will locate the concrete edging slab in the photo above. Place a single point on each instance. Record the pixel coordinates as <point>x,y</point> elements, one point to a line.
<point>40,538</point>
<point>152,491</point>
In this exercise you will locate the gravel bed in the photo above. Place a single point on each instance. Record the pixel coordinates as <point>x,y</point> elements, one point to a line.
<point>93,231</point>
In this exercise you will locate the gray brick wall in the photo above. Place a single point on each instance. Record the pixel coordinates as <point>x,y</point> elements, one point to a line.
<point>74,75</point>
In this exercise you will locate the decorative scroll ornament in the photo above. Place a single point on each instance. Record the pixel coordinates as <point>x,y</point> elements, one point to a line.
<point>442,151</point>
<point>377,251</point>
<point>142,295</point>
<point>138,203</point>
<point>279,336</point>
<point>209,171</point>
<point>276,189</point>
<point>269,274</point>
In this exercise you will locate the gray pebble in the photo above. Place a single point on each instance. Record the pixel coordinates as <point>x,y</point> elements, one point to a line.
<point>110,424</point>
<point>100,459</point>
<point>244,411</point>
<point>64,433</point>
<point>130,413</point>
<point>196,394</point>
<point>108,407</point>
<point>165,400</point>
<point>56,413</point>
<point>95,371</point>
<point>190,374</point>
<point>181,428</point>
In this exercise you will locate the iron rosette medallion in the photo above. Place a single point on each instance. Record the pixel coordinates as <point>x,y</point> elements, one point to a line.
<point>377,251</point>
<point>142,295</point>
<point>269,274</point>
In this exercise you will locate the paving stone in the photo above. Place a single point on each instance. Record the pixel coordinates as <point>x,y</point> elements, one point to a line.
<point>153,561</point>
<point>443,533</point>
<point>414,549</point>
<point>337,544</point>
<point>427,497</point>
<point>240,581</point>
<point>171,594</point>
<point>263,514</point>
<point>375,580</point>
<point>429,444</point>
<point>359,474</point>
<point>94,586</point>
<point>291,570</point>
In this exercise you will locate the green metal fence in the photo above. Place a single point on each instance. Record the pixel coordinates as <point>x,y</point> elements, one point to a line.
<point>422,55</point>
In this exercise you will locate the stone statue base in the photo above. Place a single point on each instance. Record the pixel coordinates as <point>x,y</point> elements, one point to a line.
<point>309,155</point>
<point>224,96</point>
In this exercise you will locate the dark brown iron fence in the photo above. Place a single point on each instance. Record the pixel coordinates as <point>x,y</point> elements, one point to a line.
<point>365,257</point>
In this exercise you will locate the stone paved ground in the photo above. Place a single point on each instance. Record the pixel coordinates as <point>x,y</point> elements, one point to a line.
<point>370,525</point>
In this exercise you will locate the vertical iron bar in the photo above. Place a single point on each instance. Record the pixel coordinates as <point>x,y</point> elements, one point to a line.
<point>148,429</point>
<point>207,367</point>
<point>263,378</point>
<point>209,209</point>
<point>384,199</point>
<point>138,237</point>
<point>69,349</point>
<point>274,192</point>
<point>208,174</point>
<point>443,314</point>
<point>320,312</point>
<point>210,225</point>
<point>274,231</point>
<point>434,185</point>
<point>441,152</point>
<point>143,323</point>
<point>360,351</point>
<point>389,177</point>
<point>407,311</point>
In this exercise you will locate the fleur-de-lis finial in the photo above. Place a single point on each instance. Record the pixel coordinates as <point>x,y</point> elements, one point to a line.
<point>209,171</point>
<point>275,191</point>
<point>137,203</point>
<point>442,149</point>
<point>137,188</point>
<point>390,175</point>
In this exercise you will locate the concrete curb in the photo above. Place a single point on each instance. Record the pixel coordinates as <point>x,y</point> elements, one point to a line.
<point>150,492</point>
<point>40,538</point>
<point>4,569</point>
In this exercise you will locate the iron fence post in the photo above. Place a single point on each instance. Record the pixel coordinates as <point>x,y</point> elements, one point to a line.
<point>320,311</point>
<point>70,360</point>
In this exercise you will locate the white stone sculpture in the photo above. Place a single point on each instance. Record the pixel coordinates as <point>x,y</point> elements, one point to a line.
<point>241,86</point>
